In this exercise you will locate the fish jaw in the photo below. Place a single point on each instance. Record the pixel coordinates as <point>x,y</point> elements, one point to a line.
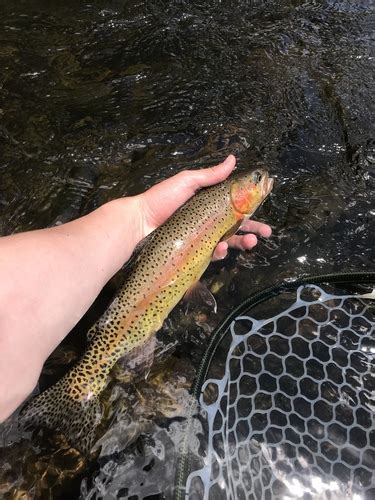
<point>267,186</point>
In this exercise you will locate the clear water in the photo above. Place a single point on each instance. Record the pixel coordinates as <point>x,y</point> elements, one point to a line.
<point>101,100</point>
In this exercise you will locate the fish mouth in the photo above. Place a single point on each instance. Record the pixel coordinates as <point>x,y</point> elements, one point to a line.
<point>267,186</point>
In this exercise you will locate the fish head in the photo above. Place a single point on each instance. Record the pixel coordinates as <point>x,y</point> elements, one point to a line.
<point>248,191</point>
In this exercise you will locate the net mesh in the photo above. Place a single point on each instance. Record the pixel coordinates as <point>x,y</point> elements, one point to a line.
<point>287,408</point>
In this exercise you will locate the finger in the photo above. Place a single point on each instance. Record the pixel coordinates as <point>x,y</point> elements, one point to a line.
<point>246,242</point>
<point>220,251</point>
<point>182,186</point>
<point>253,226</point>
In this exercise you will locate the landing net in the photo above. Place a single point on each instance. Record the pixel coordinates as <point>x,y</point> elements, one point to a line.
<point>286,404</point>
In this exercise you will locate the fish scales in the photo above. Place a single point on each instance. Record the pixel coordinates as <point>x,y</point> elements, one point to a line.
<point>174,259</point>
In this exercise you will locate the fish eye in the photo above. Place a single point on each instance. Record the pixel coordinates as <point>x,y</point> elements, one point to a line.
<point>257,177</point>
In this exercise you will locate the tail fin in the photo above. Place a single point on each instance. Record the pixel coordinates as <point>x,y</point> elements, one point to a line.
<point>54,409</point>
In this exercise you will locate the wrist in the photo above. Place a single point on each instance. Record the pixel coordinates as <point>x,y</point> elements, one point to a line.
<point>121,230</point>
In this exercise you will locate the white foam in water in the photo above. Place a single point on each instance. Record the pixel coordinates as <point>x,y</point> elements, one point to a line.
<point>293,413</point>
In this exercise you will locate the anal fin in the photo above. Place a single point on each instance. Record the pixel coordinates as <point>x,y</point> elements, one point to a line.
<point>200,294</point>
<point>136,363</point>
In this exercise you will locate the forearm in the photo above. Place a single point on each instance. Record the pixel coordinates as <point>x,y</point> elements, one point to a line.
<point>49,278</point>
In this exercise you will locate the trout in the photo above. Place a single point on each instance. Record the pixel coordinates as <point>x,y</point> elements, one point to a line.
<point>174,258</point>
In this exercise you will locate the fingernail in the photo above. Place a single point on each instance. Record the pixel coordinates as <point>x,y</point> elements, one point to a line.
<point>229,159</point>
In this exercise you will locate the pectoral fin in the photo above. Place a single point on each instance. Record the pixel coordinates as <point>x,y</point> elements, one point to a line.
<point>233,230</point>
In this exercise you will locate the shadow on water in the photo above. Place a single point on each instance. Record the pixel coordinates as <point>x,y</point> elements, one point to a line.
<point>104,99</point>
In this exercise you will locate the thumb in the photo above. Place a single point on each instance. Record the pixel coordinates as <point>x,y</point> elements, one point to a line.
<point>182,186</point>
<point>160,201</point>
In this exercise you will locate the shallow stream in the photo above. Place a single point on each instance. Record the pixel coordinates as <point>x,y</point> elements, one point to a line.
<point>104,99</point>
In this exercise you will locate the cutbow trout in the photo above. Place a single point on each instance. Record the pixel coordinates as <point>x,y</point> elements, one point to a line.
<point>174,258</point>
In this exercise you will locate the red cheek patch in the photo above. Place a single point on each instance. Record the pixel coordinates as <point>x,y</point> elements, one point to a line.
<point>242,198</point>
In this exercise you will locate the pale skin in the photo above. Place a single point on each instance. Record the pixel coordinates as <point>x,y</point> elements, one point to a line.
<point>50,277</point>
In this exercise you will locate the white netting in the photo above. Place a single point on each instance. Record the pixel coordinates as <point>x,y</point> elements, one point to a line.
<point>291,413</point>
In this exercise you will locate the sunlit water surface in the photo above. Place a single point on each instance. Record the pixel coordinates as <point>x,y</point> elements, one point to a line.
<point>102,100</point>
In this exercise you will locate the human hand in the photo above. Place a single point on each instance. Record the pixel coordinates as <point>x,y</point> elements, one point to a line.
<point>163,199</point>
